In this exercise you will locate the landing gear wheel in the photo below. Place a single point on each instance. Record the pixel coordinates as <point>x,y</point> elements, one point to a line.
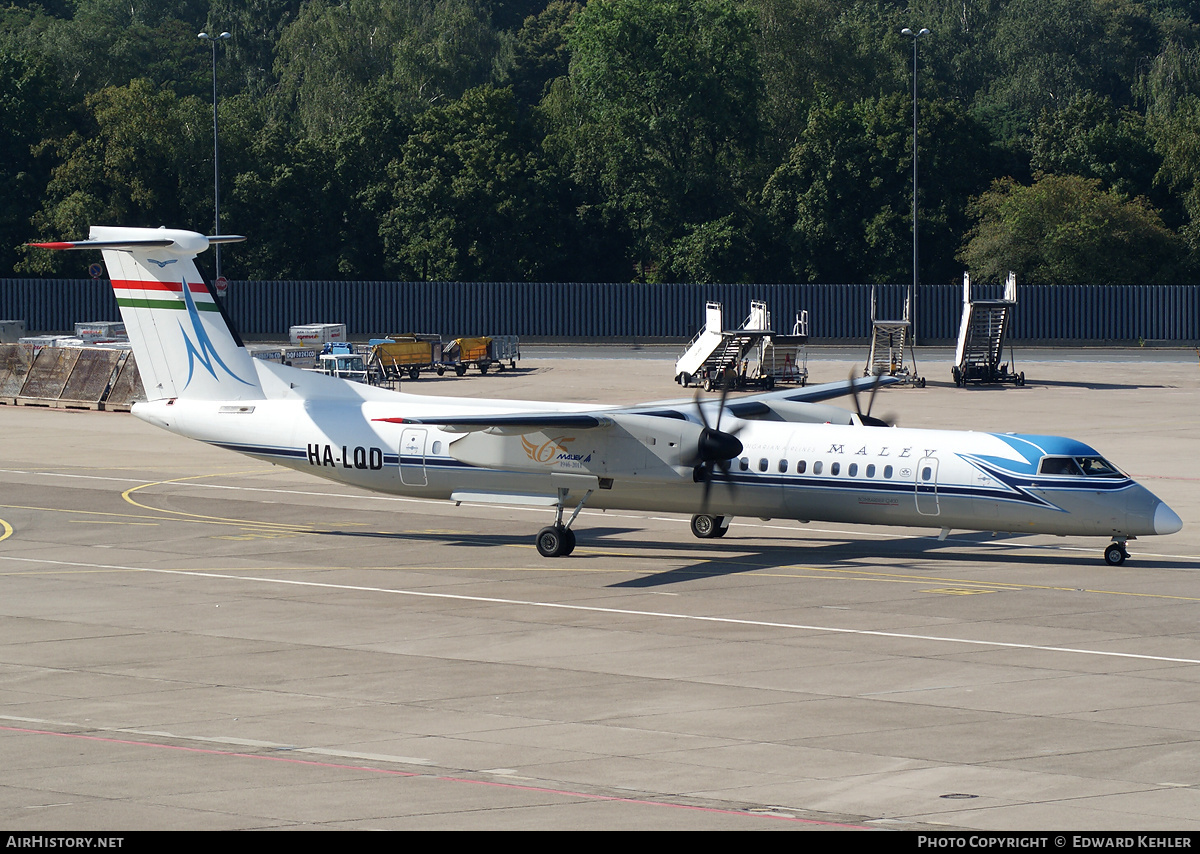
<point>722,528</point>
<point>1115,554</point>
<point>555,541</point>
<point>707,527</point>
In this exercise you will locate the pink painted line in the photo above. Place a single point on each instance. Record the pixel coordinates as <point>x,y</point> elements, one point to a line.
<point>514,786</point>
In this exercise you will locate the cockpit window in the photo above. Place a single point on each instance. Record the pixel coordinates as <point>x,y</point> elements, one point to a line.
<point>1098,467</point>
<point>1078,466</point>
<point>1059,465</point>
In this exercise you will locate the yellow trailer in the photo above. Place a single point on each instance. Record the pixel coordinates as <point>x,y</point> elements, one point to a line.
<point>405,356</point>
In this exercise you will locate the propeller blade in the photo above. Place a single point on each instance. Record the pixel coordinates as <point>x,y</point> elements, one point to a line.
<point>715,449</point>
<point>865,418</point>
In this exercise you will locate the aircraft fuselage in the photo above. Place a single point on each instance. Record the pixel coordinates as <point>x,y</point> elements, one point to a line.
<point>827,472</point>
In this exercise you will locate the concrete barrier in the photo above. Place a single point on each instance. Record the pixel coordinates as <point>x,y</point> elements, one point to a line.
<point>69,377</point>
<point>15,362</point>
<point>127,388</point>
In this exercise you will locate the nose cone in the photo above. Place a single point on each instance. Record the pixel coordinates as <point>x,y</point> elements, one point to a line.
<point>1166,520</point>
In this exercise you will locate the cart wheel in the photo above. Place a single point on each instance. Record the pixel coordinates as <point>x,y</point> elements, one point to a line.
<point>957,374</point>
<point>414,372</point>
<point>460,370</point>
<point>921,382</point>
<point>708,384</point>
<point>483,369</point>
<point>500,367</point>
<point>1021,378</point>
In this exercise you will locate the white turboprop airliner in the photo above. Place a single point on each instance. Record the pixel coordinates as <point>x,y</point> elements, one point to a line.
<point>775,455</point>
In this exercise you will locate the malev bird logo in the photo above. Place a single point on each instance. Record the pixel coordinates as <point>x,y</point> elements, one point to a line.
<point>202,350</point>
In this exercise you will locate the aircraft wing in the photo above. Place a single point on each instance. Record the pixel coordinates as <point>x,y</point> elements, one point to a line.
<point>508,420</point>
<point>797,404</point>
<point>793,404</point>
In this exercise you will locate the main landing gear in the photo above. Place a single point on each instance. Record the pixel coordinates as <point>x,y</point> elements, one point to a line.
<point>1115,554</point>
<point>555,541</point>
<point>710,527</point>
<point>558,540</point>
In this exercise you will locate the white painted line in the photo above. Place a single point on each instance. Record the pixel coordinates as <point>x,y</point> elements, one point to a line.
<point>627,612</point>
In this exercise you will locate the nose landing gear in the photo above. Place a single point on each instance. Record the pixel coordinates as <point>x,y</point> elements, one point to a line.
<point>709,527</point>
<point>1116,553</point>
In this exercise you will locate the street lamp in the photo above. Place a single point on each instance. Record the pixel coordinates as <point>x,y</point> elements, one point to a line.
<point>212,40</point>
<point>913,299</point>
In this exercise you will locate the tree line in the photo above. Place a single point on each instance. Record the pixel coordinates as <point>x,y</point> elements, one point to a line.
<point>614,140</point>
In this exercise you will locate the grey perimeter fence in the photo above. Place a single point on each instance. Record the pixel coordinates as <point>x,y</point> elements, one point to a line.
<point>1120,314</point>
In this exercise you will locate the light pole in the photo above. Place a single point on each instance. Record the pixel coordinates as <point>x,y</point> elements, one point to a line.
<point>212,40</point>
<point>913,298</point>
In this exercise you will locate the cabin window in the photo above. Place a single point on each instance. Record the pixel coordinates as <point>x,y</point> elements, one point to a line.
<point>437,448</point>
<point>887,472</point>
<point>801,466</point>
<point>871,470</point>
<point>853,470</point>
<point>835,468</point>
<point>763,464</point>
<point>817,466</point>
<point>1059,466</point>
<point>782,466</point>
<point>926,473</point>
<point>744,464</point>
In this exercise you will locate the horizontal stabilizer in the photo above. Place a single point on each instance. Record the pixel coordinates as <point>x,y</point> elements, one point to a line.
<point>182,241</point>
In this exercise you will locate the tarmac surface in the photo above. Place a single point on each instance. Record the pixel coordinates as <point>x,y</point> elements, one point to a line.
<point>195,640</point>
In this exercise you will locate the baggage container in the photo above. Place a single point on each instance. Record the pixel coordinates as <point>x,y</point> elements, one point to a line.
<point>316,334</point>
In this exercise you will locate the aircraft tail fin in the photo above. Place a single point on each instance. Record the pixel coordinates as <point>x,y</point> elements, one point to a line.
<point>183,344</point>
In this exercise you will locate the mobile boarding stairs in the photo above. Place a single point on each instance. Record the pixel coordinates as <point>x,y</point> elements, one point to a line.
<point>981,335</point>
<point>889,340</point>
<point>752,355</point>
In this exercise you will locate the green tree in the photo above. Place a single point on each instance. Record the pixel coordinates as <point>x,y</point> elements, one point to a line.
<point>24,91</point>
<point>140,162</point>
<point>1093,138</point>
<point>334,55</point>
<point>469,199</point>
<point>657,124</point>
<point>841,204</point>
<point>540,51</point>
<point>1068,230</point>
<point>312,204</point>
<point>245,63</point>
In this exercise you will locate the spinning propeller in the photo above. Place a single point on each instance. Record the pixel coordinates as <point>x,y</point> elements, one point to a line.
<point>715,448</point>
<point>866,418</point>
